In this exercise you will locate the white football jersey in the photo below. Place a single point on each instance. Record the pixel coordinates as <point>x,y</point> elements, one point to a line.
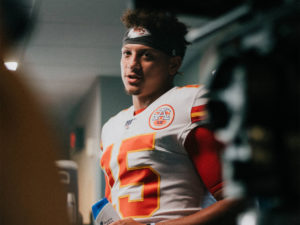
<point>149,174</point>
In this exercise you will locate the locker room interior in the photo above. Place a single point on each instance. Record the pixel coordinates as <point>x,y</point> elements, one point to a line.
<point>247,52</point>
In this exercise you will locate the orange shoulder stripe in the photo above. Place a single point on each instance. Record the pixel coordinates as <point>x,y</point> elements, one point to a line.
<point>190,86</point>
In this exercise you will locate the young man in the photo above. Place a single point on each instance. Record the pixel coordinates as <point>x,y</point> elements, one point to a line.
<point>161,163</point>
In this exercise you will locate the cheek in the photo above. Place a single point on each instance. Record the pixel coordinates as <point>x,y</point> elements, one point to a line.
<point>160,72</point>
<point>122,66</point>
<point>122,72</point>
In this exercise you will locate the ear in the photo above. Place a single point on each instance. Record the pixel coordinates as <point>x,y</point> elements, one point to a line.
<point>174,65</point>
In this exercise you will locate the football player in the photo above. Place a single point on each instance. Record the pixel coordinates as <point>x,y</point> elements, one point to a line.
<point>162,163</point>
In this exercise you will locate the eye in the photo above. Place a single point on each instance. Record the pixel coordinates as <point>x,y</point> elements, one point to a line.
<point>148,55</point>
<point>126,53</point>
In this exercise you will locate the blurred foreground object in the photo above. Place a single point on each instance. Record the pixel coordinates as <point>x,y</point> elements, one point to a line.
<point>68,172</point>
<point>17,19</point>
<point>255,107</point>
<point>30,191</point>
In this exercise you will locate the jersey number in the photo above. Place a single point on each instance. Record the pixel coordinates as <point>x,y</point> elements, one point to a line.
<point>142,176</point>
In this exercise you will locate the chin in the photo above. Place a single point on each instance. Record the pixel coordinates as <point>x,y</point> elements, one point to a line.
<point>132,91</point>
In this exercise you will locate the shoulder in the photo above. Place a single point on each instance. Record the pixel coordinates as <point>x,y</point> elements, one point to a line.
<point>189,92</point>
<point>187,95</point>
<point>192,89</point>
<point>112,127</point>
<point>194,100</point>
<point>117,117</point>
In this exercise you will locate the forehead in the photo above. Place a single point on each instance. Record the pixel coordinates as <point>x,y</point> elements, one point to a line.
<point>139,47</point>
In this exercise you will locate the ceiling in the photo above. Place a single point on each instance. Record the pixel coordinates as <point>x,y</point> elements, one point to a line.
<point>74,42</point>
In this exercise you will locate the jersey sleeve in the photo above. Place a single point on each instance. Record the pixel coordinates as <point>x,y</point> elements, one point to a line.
<point>204,150</point>
<point>198,113</point>
<point>195,113</point>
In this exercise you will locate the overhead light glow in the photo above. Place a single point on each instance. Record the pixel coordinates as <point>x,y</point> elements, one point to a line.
<point>11,65</point>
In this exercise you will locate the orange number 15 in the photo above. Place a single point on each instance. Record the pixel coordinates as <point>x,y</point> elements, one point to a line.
<point>144,176</point>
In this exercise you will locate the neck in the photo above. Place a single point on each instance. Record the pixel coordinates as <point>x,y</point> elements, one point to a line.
<point>142,102</point>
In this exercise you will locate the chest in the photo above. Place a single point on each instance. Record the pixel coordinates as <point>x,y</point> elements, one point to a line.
<point>151,137</point>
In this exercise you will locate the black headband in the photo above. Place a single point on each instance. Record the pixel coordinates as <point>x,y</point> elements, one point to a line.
<point>143,36</point>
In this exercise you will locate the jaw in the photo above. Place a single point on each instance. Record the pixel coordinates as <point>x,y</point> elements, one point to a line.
<point>132,89</point>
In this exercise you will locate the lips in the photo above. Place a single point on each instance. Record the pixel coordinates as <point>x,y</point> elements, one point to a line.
<point>133,79</point>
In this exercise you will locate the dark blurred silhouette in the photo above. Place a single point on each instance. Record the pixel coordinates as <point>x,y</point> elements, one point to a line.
<point>30,189</point>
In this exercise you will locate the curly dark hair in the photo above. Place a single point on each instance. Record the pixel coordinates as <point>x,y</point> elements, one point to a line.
<point>161,23</point>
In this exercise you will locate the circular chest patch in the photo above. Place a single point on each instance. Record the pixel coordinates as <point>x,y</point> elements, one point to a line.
<point>161,117</point>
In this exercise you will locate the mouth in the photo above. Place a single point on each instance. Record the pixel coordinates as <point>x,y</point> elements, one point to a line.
<point>133,79</point>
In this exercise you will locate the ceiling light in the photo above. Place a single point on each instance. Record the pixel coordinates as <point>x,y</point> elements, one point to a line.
<point>11,65</point>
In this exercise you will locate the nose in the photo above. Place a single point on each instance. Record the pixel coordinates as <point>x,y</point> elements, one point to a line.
<point>134,62</point>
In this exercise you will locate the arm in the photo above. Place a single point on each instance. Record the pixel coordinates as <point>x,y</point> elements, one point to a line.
<point>205,152</point>
<point>222,212</point>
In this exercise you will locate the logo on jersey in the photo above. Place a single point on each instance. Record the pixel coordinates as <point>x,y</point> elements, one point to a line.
<point>161,117</point>
<point>128,123</point>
